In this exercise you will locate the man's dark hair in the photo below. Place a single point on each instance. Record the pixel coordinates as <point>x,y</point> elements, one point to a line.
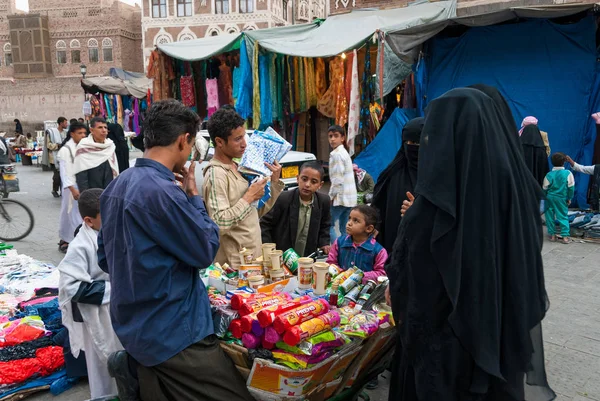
<point>371,214</point>
<point>61,120</point>
<point>76,126</point>
<point>337,128</point>
<point>81,120</point>
<point>29,135</point>
<point>73,121</point>
<point>89,203</point>
<point>222,123</point>
<point>97,120</point>
<point>17,120</point>
<point>315,165</point>
<point>166,121</point>
<point>559,159</point>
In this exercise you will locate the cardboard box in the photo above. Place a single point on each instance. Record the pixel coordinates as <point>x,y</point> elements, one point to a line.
<point>260,395</point>
<point>277,379</point>
<point>345,357</point>
<point>379,345</point>
<point>239,355</point>
<point>287,285</point>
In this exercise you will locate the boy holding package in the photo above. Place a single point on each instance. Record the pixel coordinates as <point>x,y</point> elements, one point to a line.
<point>84,295</point>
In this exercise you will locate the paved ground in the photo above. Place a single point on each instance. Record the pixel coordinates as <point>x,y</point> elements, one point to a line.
<point>571,329</point>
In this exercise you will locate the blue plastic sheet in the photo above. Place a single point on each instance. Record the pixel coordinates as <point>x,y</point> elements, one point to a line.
<point>544,69</point>
<point>379,153</point>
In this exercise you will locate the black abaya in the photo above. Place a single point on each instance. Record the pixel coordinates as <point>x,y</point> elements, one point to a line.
<point>398,178</point>
<point>466,274</point>
<point>535,154</point>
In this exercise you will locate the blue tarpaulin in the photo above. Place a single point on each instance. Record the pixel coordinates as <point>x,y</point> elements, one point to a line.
<point>376,157</point>
<point>544,69</point>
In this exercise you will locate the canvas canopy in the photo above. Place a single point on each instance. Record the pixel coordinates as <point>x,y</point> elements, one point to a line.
<point>203,48</point>
<point>136,84</point>
<point>405,41</point>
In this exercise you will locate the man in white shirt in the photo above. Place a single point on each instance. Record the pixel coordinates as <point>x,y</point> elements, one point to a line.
<point>594,171</point>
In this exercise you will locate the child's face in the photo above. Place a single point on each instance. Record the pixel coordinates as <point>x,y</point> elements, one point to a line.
<point>357,225</point>
<point>309,182</point>
<point>94,222</point>
<point>336,139</point>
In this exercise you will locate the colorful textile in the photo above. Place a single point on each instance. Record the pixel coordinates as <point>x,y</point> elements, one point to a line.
<point>212,95</point>
<point>341,101</point>
<point>354,109</point>
<point>256,88</point>
<point>102,107</point>
<point>95,104</point>
<point>328,104</point>
<point>321,79</point>
<point>280,90</point>
<point>244,101</point>
<point>273,86</point>
<point>290,82</point>
<point>236,84</point>
<point>188,97</point>
<point>367,94</point>
<point>302,84</point>
<point>264,70</point>
<point>310,79</point>
<point>136,116</point>
<point>297,90</point>
<point>225,84</point>
<point>530,120</point>
<point>348,73</point>
<point>47,360</point>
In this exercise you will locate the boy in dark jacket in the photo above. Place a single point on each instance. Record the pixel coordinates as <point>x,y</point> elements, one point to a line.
<point>301,217</point>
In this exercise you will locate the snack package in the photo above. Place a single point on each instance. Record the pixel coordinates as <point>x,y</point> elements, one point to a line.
<point>363,325</point>
<point>326,341</point>
<point>257,329</point>
<point>268,315</point>
<point>272,336</point>
<point>241,297</point>
<point>309,328</point>
<point>236,329</point>
<point>263,147</point>
<point>300,314</point>
<point>258,304</point>
<point>251,341</point>
<point>303,361</point>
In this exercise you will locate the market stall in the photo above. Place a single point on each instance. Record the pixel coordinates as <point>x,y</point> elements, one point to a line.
<point>299,329</point>
<point>120,98</point>
<point>300,79</point>
<point>30,323</point>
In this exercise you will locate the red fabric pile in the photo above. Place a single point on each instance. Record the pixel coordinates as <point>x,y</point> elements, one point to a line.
<point>46,361</point>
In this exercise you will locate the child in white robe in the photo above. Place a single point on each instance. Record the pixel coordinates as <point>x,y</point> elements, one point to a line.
<point>84,296</point>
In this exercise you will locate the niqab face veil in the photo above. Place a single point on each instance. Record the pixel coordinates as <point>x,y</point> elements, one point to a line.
<point>486,238</point>
<point>398,178</point>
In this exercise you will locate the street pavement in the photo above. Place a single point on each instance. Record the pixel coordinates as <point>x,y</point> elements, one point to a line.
<point>571,328</point>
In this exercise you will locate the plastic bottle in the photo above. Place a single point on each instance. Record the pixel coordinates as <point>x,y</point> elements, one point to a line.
<point>333,296</point>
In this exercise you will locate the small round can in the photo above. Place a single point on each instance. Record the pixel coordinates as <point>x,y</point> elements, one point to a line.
<point>290,259</point>
<point>353,294</point>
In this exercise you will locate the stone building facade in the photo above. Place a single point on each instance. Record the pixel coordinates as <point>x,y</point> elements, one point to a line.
<point>166,21</point>
<point>101,35</point>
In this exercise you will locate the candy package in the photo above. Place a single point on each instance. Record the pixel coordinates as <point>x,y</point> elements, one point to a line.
<point>263,147</point>
<point>300,361</point>
<point>363,325</point>
<point>222,318</point>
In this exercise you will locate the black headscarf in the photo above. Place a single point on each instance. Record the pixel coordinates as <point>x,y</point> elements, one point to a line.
<point>398,178</point>
<point>534,151</point>
<point>485,240</point>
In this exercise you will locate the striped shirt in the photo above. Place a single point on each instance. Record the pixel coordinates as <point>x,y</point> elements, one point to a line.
<point>238,221</point>
<point>341,174</point>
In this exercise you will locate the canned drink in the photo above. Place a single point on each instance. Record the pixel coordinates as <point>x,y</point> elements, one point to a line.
<point>365,294</point>
<point>382,279</point>
<point>290,259</point>
<point>352,281</point>
<point>353,294</point>
<point>334,271</point>
<point>340,278</point>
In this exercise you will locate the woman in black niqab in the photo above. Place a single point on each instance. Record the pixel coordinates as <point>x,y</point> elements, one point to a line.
<point>466,274</point>
<point>535,154</point>
<point>399,177</point>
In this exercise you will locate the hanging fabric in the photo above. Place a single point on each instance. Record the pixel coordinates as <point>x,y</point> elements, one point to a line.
<point>321,79</point>
<point>212,95</point>
<point>126,120</point>
<point>311,84</point>
<point>279,61</point>
<point>102,106</point>
<point>354,106</point>
<point>136,116</point>
<point>286,85</point>
<point>225,83</point>
<point>119,110</point>
<point>273,86</point>
<point>290,83</point>
<point>188,97</point>
<point>198,76</point>
<point>256,89</point>
<point>266,109</point>
<point>348,74</point>
<point>368,89</point>
<point>236,84</point>
<point>244,102</point>
<point>108,107</point>
<point>297,104</point>
<point>328,103</point>
<point>302,84</point>
<point>341,101</point>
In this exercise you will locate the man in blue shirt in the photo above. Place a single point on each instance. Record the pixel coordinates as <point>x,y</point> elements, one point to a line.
<point>155,237</point>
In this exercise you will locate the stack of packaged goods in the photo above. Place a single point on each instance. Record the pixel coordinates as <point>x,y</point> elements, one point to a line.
<point>311,326</point>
